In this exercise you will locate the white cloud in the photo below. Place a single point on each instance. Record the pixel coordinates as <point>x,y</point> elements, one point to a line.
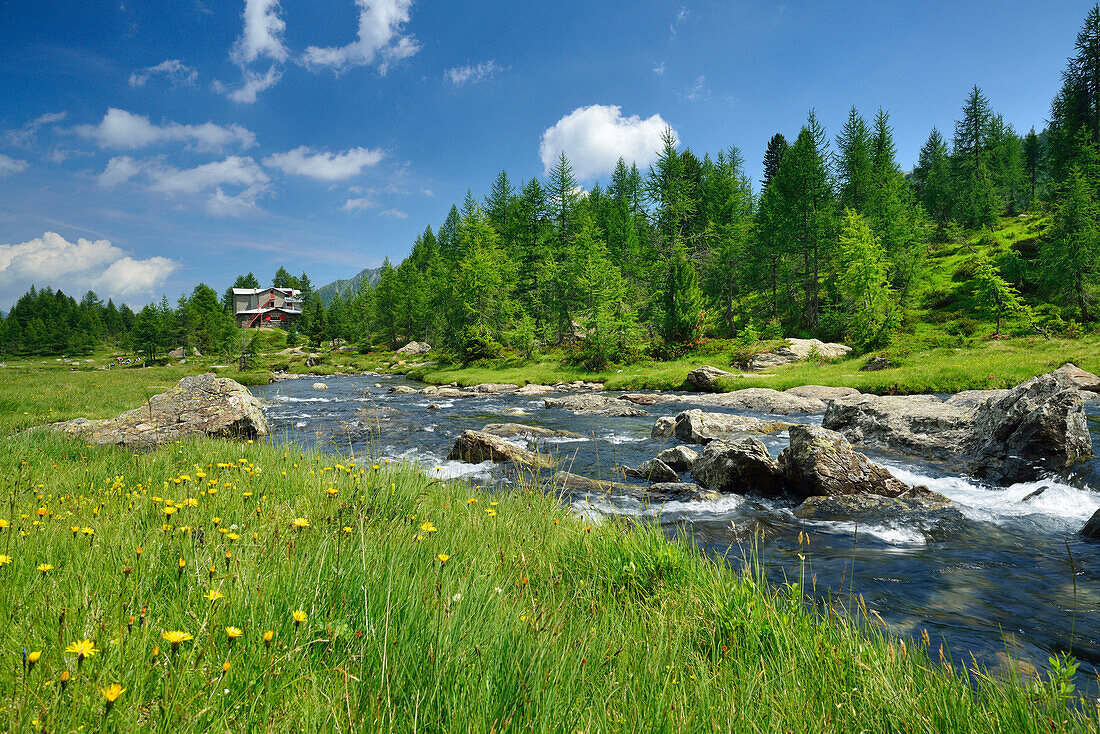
<point>459,75</point>
<point>174,70</point>
<point>358,205</point>
<point>302,161</point>
<point>10,166</point>
<point>381,23</point>
<point>697,90</point>
<point>595,137</point>
<point>25,135</point>
<point>659,69</point>
<point>239,172</point>
<point>394,213</point>
<point>124,130</point>
<point>51,260</point>
<point>262,34</point>
<point>254,83</point>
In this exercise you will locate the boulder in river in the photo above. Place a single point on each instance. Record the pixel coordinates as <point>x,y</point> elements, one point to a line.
<point>1070,375</point>
<point>319,386</point>
<point>762,400</point>
<point>478,446</point>
<point>564,480</point>
<point>695,426</point>
<point>653,470</point>
<point>679,458</point>
<point>820,462</point>
<point>679,492</point>
<point>739,468</point>
<point>824,393</point>
<point>202,405</point>
<point>404,390</point>
<point>1038,426</point>
<point>922,425</point>
<point>663,427</point>
<point>595,405</point>
<point>519,430</point>
<point>974,399</point>
<point>866,508</point>
<point>1092,527</point>
<point>704,379</point>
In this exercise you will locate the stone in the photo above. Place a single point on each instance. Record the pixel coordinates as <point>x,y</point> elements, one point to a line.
<point>974,399</point>
<point>873,508</point>
<point>653,470</point>
<point>594,405</point>
<point>703,379</point>
<point>820,462</point>
<point>738,468</point>
<point>679,458</point>
<point>695,426</point>
<point>319,386</point>
<point>532,388</point>
<point>312,360</point>
<point>346,350</point>
<point>763,400</point>
<point>178,353</point>
<point>921,425</point>
<point>1092,527</point>
<point>564,480</point>
<point>822,392</point>
<point>434,406</point>
<point>194,352</point>
<point>876,364</point>
<point>519,430</point>
<point>477,446</point>
<point>402,390</point>
<point>663,427</point>
<point>798,350</point>
<point>1037,427</point>
<point>1070,375</point>
<point>415,348</point>
<point>201,405</point>
<point>492,388</point>
<point>679,492</point>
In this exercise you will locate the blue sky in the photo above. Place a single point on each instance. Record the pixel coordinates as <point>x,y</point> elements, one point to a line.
<point>146,147</point>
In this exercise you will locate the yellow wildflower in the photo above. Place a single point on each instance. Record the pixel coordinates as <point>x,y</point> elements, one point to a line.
<point>83,649</point>
<point>44,567</point>
<point>213,594</point>
<point>298,616</point>
<point>300,523</point>
<point>443,557</point>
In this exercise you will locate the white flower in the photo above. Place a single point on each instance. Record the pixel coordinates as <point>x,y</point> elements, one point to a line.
<point>456,598</point>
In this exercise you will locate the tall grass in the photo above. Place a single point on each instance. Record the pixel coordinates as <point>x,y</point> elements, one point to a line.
<point>428,606</point>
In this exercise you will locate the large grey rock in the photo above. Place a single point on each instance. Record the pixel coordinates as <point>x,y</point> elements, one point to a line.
<point>403,390</point>
<point>517,430</point>
<point>1037,427</point>
<point>477,446</point>
<point>695,426</point>
<point>823,393</point>
<point>876,364</point>
<point>415,348</point>
<point>178,353</point>
<point>798,350</point>
<point>820,462</point>
<point>653,470</point>
<point>1070,375</point>
<point>200,405</point>
<point>1092,527</point>
<point>493,388</point>
<point>319,386</point>
<point>680,492</point>
<point>763,400</point>
<point>703,378</point>
<point>532,388</point>
<point>974,399</point>
<point>738,468</point>
<point>873,508</point>
<point>679,458</point>
<point>664,427</point>
<point>595,405</point>
<point>921,425</point>
<point>564,480</point>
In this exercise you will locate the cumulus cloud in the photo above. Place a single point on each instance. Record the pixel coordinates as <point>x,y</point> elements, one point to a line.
<point>381,25</point>
<point>235,172</point>
<point>262,37</point>
<point>358,205</point>
<point>595,137</point>
<point>173,70</point>
<point>459,75</point>
<point>262,34</point>
<point>10,166</point>
<point>25,135</point>
<point>51,260</point>
<point>302,161</point>
<point>254,83</point>
<point>124,130</point>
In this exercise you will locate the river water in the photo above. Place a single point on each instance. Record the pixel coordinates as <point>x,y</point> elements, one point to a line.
<point>999,578</point>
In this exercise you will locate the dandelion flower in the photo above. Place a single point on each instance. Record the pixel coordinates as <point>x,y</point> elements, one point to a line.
<point>226,666</point>
<point>45,567</point>
<point>301,523</point>
<point>65,679</point>
<point>111,693</point>
<point>4,560</point>
<point>299,616</point>
<point>233,633</point>
<point>213,594</point>
<point>175,637</point>
<point>443,557</point>
<point>428,527</point>
<point>471,501</point>
<point>82,649</point>
<point>32,658</point>
<point>491,512</point>
<point>169,510</point>
<point>268,636</point>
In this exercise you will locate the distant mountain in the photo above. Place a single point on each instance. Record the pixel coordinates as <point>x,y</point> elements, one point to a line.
<point>348,287</point>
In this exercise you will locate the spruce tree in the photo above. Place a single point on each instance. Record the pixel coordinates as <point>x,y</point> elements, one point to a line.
<point>1070,259</point>
<point>993,293</point>
<point>854,165</point>
<point>773,156</point>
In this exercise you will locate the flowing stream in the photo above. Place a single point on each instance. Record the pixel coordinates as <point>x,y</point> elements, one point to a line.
<point>999,579</point>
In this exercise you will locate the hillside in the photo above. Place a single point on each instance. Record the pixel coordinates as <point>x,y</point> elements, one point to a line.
<point>349,286</point>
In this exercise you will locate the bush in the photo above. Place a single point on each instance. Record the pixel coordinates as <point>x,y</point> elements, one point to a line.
<point>772,330</point>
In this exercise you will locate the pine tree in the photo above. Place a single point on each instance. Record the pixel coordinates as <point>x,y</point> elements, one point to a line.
<point>863,282</point>
<point>562,189</point>
<point>682,299</point>
<point>1070,259</point>
<point>853,167</point>
<point>1033,157</point>
<point>773,156</point>
<point>932,178</point>
<point>993,293</point>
